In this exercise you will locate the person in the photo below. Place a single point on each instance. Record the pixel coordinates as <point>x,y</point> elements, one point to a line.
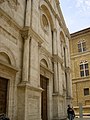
<point>3,117</point>
<point>71,113</point>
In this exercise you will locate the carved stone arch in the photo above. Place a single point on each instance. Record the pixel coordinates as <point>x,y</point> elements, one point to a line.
<point>44,60</point>
<point>5,58</point>
<point>44,63</point>
<point>8,55</point>
<point>44,7</point>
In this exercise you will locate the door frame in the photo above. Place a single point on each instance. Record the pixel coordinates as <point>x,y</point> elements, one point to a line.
<point>6,92</point>
<point>8,72</point>
<point>47,82</point>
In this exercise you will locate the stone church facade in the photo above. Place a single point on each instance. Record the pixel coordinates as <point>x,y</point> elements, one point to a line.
<point>35,79</point>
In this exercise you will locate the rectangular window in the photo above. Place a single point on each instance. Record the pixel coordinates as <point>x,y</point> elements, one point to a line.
<point>79,48</point>
<point>84,69</point>
<point>82,46</point>
<point>82,73</point>
<point>81,67</point>
<point>86,91</point>
<point>87,72</point>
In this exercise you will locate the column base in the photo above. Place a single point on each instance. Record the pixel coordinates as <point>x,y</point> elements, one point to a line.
<point>29,100</point>
<point>64,118</point>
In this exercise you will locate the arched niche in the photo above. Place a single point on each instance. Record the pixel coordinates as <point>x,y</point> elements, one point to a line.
<point>44,22</point>
<point>45,9</point>
<point>62,37</point>
<point>44,63</point>
<point>5,58</point>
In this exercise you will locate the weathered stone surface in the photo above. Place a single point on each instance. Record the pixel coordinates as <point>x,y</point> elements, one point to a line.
<point>34,43</point>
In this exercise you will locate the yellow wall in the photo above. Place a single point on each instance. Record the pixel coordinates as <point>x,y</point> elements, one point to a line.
<point>78,82</point>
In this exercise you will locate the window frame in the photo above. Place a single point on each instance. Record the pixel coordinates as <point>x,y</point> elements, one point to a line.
<point>84,69</point>
<point>86,91</point>
<point>81,46</point>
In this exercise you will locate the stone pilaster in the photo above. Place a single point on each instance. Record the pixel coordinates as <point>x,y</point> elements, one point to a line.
<point>54,42</point>
<point>25,72</point>
<point>28,13</point>
<point>55,62</point>
<point>69,84</point>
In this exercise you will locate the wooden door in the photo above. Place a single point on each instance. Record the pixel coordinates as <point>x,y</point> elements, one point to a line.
<point>43,83</point>
<point>3,94</point>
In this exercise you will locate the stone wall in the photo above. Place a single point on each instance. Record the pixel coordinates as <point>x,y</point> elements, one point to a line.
<point>34,42</point>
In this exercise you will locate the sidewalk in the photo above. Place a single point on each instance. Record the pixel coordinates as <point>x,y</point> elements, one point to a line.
<point>81,118</point>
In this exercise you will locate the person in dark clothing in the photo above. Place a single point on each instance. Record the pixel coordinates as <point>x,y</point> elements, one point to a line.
<point>71,113</point>
<point>3,117</point>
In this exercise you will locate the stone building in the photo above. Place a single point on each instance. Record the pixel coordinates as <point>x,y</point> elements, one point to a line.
<point>35,80</point>
<point>80,64</point>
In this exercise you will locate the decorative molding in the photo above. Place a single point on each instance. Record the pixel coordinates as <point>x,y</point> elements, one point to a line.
<point>12,3</point>
<point>56,58</point>
<point>10,68</point>
<point>9,20</point>
<point>29,32</point>
<point>43,50</point>
<point>9,35</point>
<point>68,69</point>
<point>25,33</point>
<point>46,69</point>
<point>28,86</point>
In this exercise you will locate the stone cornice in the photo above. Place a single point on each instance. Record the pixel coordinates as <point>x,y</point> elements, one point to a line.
<point>2,30</point>
<point>62,19</point>
<point>43,50</point>
<point>10,67</point>
<point>81,32</point>
<point>29,32</point>
<point>56,58</point>
<point>80,54</point>
<point>28,86</point>
<point>54,13</point>
<point>9,19</point>
<point>81,79</point>
<point>47,69</point>
<point>12,3</point>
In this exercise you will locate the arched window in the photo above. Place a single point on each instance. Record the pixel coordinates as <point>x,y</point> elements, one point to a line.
<point>84,69</point>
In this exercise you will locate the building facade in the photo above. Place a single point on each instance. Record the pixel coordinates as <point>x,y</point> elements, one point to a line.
<point>35,79</point>
<point>80,63</point>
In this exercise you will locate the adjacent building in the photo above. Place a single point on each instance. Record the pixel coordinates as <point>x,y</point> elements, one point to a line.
<point>35,78</point>
<point>80,64</point>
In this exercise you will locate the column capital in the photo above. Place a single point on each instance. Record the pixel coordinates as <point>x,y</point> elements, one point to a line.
<point>54,30</point>
<point>25,32</point>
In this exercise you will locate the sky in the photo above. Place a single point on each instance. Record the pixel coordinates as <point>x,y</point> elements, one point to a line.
<point>76,14</point>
